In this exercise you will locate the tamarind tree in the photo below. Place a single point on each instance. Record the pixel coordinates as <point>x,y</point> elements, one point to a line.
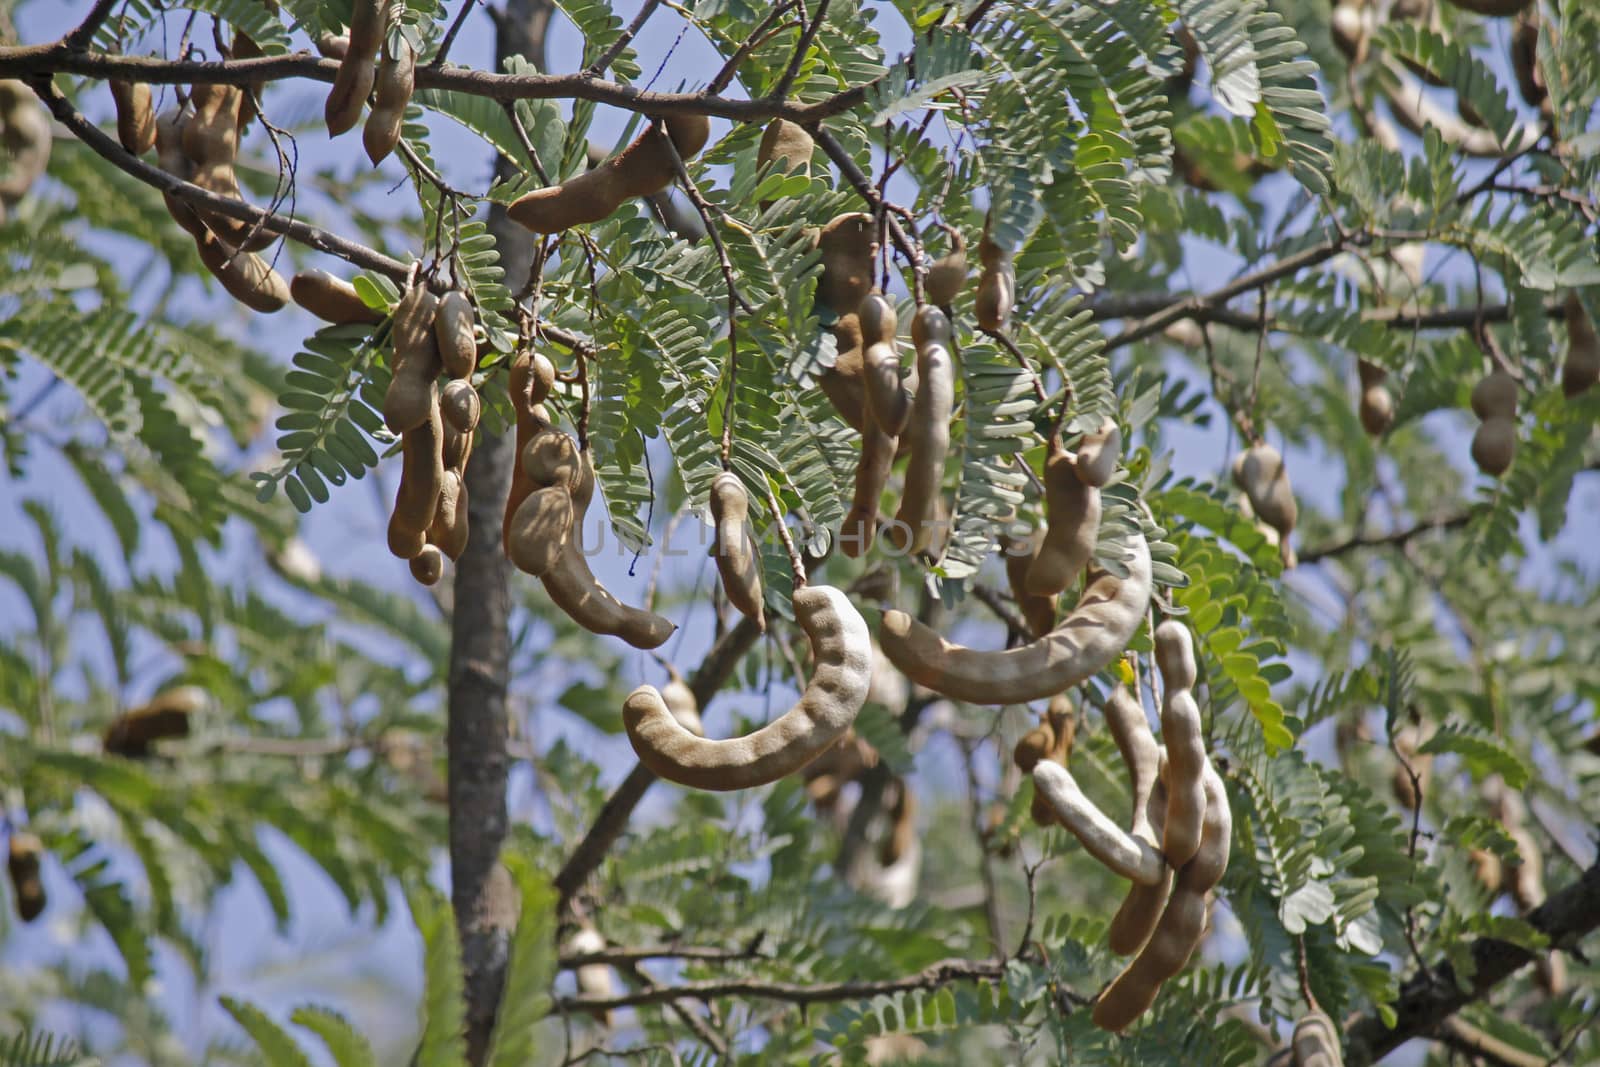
<point>1235,468</point>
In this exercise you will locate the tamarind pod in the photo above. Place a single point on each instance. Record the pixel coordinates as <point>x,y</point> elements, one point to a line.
<point>1260,471</point>
<point>163,717</point>
<point>947,275</point>
<point>353,84</point>
<point>930,326</point>
<point>1316,1042</point>
<point>396,80</point>
<point>461,407</point>
<point>1186,754</point>
<point>1525,59</point>
<point>532,376</point>
<point>1495,394</point>
<point>211,142</point>
<point>903,833</point>
<point>680,700</point>
<point>736,558</point>
<point>530,423</point>
<point>1181,925</point>
<point>1494,445</point>
<point>1527,877</point>
<point>1098,454</point>
<point>449,527</point>
<point>457,447</point>
<point>453,323</point>
<point>1376,410</point>
<point>1551,973</point>
<point>412,390</point>
<point>841,649</point>
<point>331,46</point>
<point>540,530</point>
<point>1103,839</point>
<point>331,298</point>
<point>22,864</point>
<point>1039,612</point>
<point>878,319</point>
<point>551,457</point>
<point>1072,509</point>
<point>888,400</point>
<point>786,143</point>
<point>1033,746</point>
<point>245,47</point>
<point>26,139</point>
<point>594,979</point>
<point>642,169</point>
<point>1141,908</point>
<point>849,247</point>
<point>136,117</point>
<point>860,526</point>
<point>245,276</point>
<point>1493,8</point>
<point>929,434</point>
<point>421,482</point>
<point>427,566</point>
<point>1091,636</point>
<point>997,287</point>
<point>169,155</point>
<point>1488,870</point>
<point>842,382</point>
<point>1582,366</point>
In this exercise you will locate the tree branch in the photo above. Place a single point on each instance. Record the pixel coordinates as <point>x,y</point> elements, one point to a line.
<point>1447,318</point>
<point>1428,999</point>
<point>1394,539</point>
<point>79,38</point>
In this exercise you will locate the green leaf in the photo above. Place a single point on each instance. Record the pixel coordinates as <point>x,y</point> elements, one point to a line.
<point>530,973</point>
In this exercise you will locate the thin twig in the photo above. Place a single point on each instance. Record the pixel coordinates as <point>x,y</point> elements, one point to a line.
<point>606,58</point>
<point>757,37</point>
<point>79,38</point>
<point>450,34</point>
<point>796,564</point>
<point>809,34</point>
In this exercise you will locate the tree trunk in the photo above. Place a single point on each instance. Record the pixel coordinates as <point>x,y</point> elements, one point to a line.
<point>480,650</point>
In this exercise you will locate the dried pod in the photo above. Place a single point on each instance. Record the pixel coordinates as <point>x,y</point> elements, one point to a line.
<point>22,864</point>
<point>164,717</point>
<point>841,649</point>
<point>947,275</point>
<point>1187,763</point>
<point>396,80</point>
<point>449,528</point>
<point>245,276</point>
<point>788,144</point>
<point>849,249</point>
<point>928,432</point>
<point>529,382</point>
<point>136,116</point>
<point>1494,445</point>
<point>1123,854</point>
<point>735,550</point>
<point>1525,59</point>
<point>459,404</point>
<point>541,528</point>
<point>25,141</point>
<point>680,701</point>
<point>1091,636</point>
<point>1141,908</point>
<point>353,84</point>
<point>210,139</point>
<point>427,566</point>
<point>453,325</point>
<point>1039,612</point>
<point>1582,367</point>
<point>594,979</point>
<point>1260,471</point>
<point>888,398</point>
<point>1072,510</point>
<point>997,287</point>
<point>421,483</point>
<point>903,829</point>
<point>331,299</point>
<point>331,46</point>
<point>1377,405</point>
<point>842,382</point>
<point>1098,453</point>
<point>1495,395</point>
<point>412,389</point>
<point>860,526</point>
<point>839,765</point>
<point>1316,1042</point>
<point>642,169</point>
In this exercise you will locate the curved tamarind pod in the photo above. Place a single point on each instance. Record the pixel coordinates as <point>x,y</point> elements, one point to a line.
<point>169,154</point>
<point>1260,471</point>
<point>453,323</point>
<point>1316,1042</point>
<point>245,276</point>
<point>1582,366</point>
<point>1181,925</point>
<point>888,399</point>
<point>421,482</point>
<point>457,447</point>
<point>531,378</point>
<point>1186,753</point>
<point>929,434</point>
<point>1039,612</point>
<point>1123,854</point>
<point>136,117</point>
<point>860,526</point>
<point>1141,908</point>
<point>331,298</point>
<point>642,169</point>
<point>1493,8</point>
<point>930,326</point>
<point>22,864</point>
<point>997,287</point>
<point>788,144</point>
<point>540,530</point>
<point>842,382</point>
<point>1034,746</point>
<point>1091,636</point>
<point>1072,510</point>
<point>331,45</point>
<point>947,275</point>
<point>449,527</point>
<point>735,551</point>
<point>1525,60</point>
<point>427,566</point>
<point>353,84</point>
<point>552,458</point>
<point>594,979</point>
<point>211,142</point>
<point>412,390</point>
<point>396,80</point>
<point>461,407</point>
<point>1377,405</point>
<point>841,649</point>
<point>1098,454</point>
<point>849,246</point>
<point>840,764</point>
<point>680,700</point>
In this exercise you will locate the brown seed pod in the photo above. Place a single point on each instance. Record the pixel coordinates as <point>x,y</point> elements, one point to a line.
<point>1073,512</point>
<point>997,287</point>
<point>1525,59</point>
<point>888,398</point>
<point>1494,445</point>
<point>928,432</point>
<point>642,169</point>
<point>22,864</point>
<point>459,404</point>
<point>457,449</point>
<point>164,717</point>
<point>840,764</point>
<point>421,483</point>
<point>449,527</point>
<point>1098,453</point>
<point>413,391</point>
<point>788,144</point>
<point>531,378</point>
<point>453,324</point>
<point>25,140</point>
<point>1488,870</point>
<point>1039,612</point>
<point>842,382</point>
<point>849,249</point>
<point>211,143</point>
<point>331,298</point>
<point>1351,27</point>
<point>841,649</point>
<point>1260,471</point>
<point>1495,394</point>
<point>1141,908</point>
<point>1034,746</point>
<point>353,84</point>
<point>594,979</point>
<point>427,566</point>
<point>396,80</point>
<point>903,832</point>
<point>245,276</point>
<point>542,524</point>
<point>947,275</point>
<point>169,154</point>
<point>1377,405</point>
<point>136,116</point>
<point>680,701</point>
<point>1187,764</point>
<point>1582,367</point>
<point>1316,1042</point>
<point>331,46</point>
<point>1493,8</point>
<point>1123,854</point>
<point>1181,925</point>
<point>860,526</point>
<point>735,550</point>
<point>1093,634</point>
